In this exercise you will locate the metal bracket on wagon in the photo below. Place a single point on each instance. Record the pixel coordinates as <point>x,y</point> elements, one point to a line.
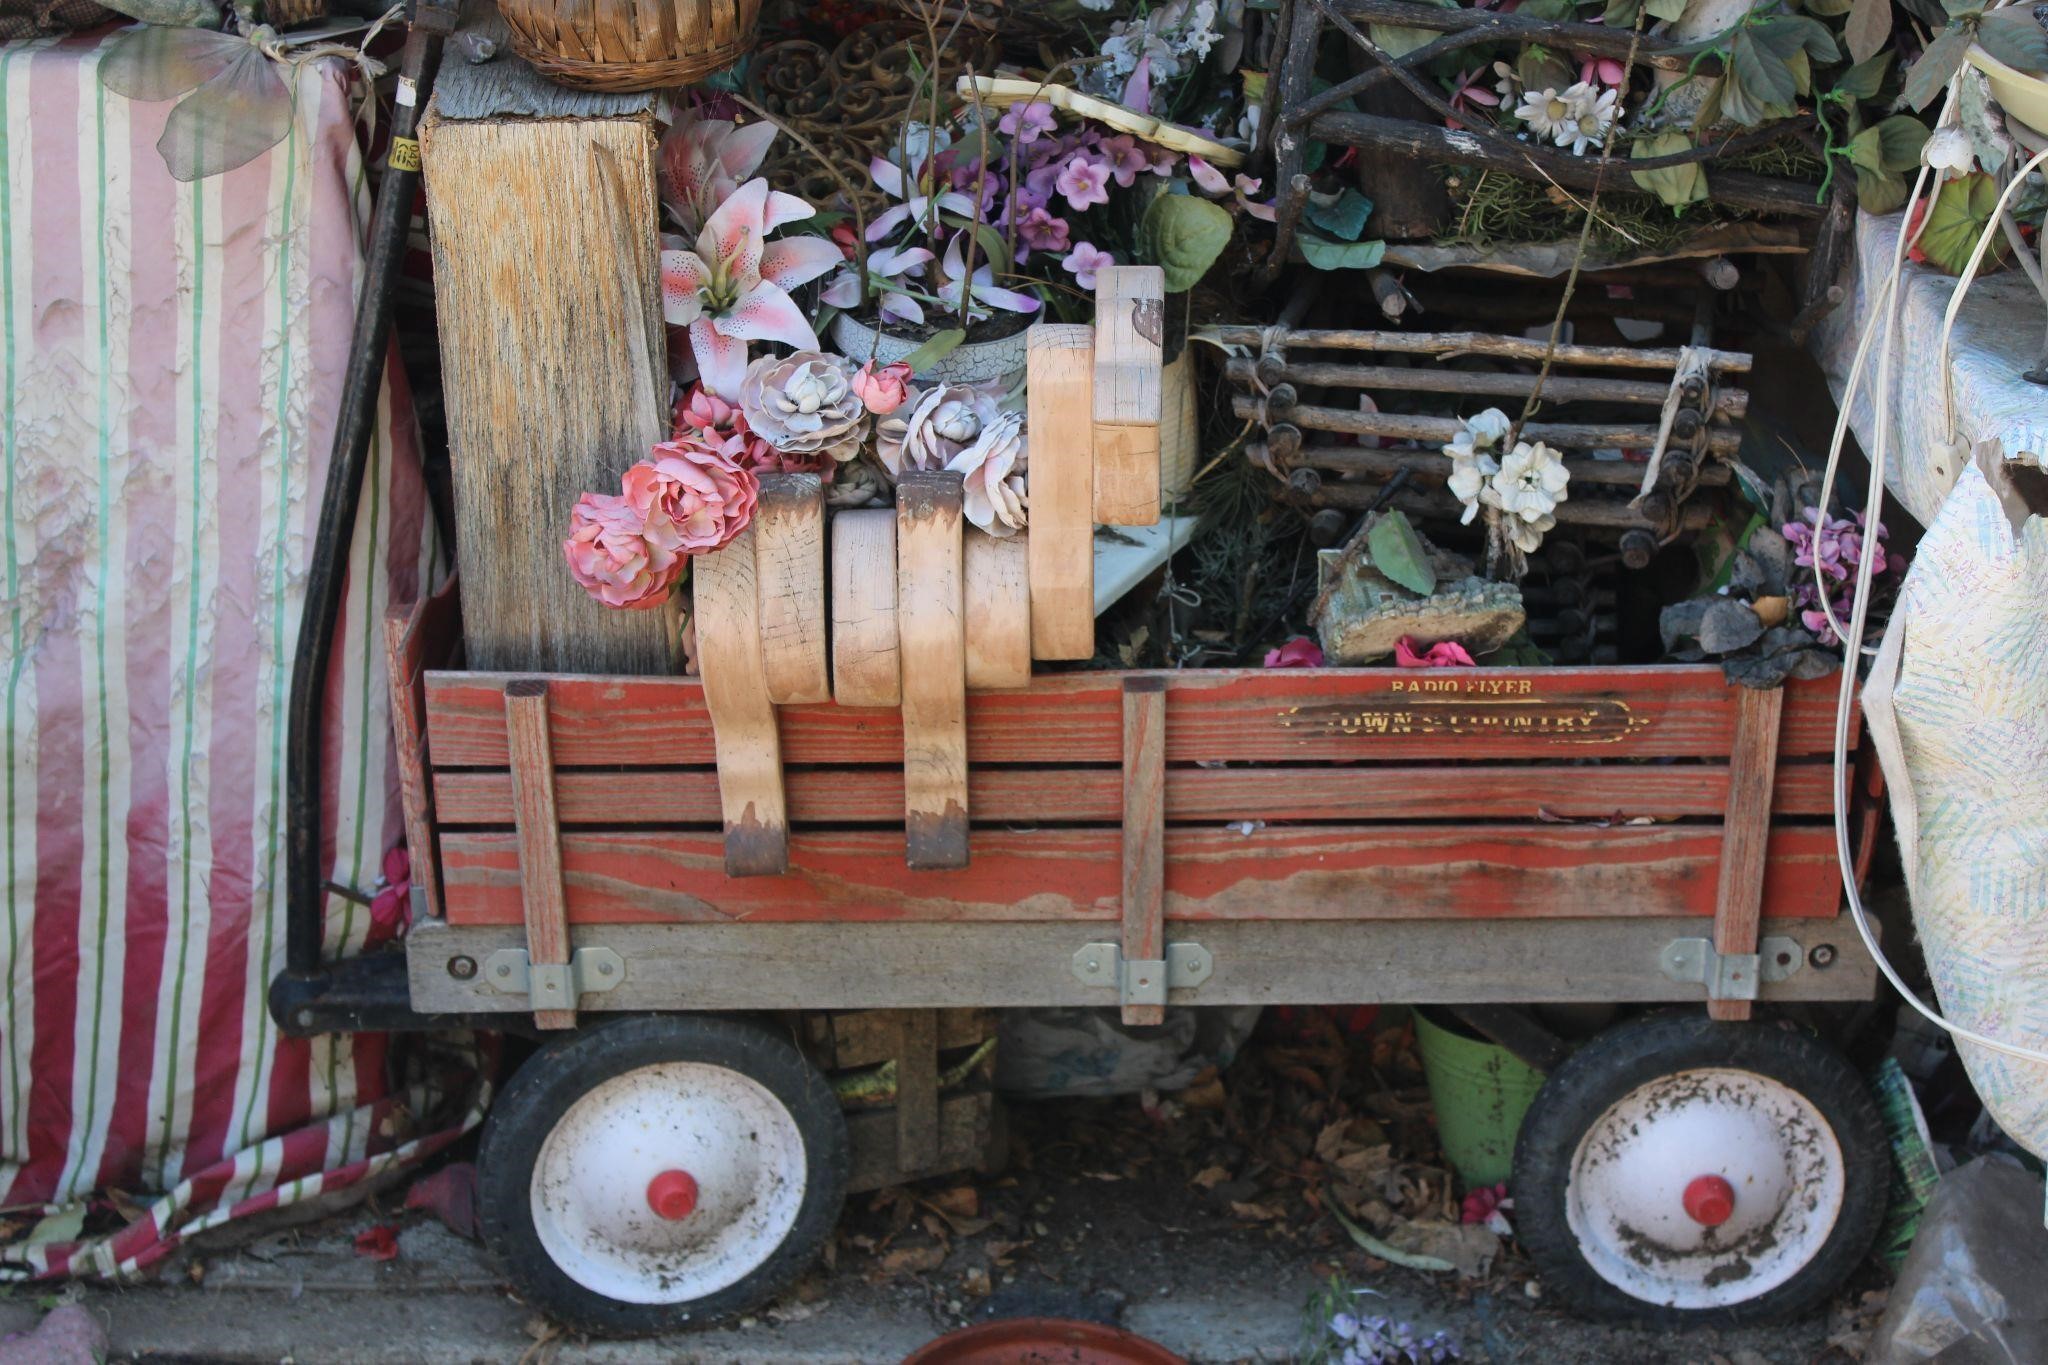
<point>554,986</point>
<point>1143,981</point>
<point>1731,976</point>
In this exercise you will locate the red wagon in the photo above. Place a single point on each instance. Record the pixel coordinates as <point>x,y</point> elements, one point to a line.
<point>1492,839</point>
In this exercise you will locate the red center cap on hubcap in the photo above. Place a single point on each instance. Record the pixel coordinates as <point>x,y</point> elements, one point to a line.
<point>1709,1200</point>
<point>673,1195</point>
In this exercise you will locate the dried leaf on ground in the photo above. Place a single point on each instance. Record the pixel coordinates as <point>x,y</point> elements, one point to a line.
<point>1209,1177</point>
<point>911,1260</point>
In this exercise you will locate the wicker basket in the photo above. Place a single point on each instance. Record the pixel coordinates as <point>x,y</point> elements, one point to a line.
<point>622,45</point>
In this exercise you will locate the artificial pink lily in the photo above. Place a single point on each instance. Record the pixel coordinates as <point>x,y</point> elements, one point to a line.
<point>703,161</point>
<point>733,288</point>
<point>1471,89</point>
<point>1609,71</point>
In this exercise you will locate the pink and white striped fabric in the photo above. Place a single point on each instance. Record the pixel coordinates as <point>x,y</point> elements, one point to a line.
<point>171,359</point>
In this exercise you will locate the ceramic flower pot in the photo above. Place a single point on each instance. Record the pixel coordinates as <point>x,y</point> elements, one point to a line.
<point>2021,94</point>
<point>997,360</point>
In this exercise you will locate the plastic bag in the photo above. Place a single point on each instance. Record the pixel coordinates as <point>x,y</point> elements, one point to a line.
<point>1970,1291</point>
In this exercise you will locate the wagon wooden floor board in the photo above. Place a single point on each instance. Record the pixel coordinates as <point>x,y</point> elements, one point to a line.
<point>1287,872</point>
<point>1280,715</point>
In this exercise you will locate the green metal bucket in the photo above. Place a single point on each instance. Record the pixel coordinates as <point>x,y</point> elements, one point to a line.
<point>1480,1092</point>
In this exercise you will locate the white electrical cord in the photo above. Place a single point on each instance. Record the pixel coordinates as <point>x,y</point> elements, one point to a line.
<point>1884,310</point>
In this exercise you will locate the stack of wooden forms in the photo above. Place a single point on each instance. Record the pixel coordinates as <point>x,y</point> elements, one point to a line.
<point>924,1103</point>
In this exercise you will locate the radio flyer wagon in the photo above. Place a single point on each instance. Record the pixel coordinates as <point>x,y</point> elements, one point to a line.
<point>1488,839</point>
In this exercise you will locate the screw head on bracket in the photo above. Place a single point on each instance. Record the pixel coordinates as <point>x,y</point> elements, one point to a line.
<point>462,967</point>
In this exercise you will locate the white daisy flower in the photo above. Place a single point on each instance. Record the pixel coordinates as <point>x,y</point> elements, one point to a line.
<point>1545,111</point>
<point>1589,113</point>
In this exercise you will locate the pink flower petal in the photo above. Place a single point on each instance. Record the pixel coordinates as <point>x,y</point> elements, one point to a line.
<point>731,242</point>
<point>1207,177</point>
<point>798,260</point>
<point>682,275</point>
<point>721,360</point>
<point>765,313</point>
<point>783,209</point>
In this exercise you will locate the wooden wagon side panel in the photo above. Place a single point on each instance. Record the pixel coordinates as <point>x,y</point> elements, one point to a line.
<point>1222,715</point>
<point>1334,873</point>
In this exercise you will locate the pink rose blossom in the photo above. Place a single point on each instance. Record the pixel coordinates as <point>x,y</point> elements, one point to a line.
<point>1084,181</point>
<point>1027,122</point>
<point>1445,654</point>
<point>882,391</point>
<point>697,485</point>
<point>703,415</point>
<point>1083,261</point>
<point>615,559</point>
<point>1300,652</point>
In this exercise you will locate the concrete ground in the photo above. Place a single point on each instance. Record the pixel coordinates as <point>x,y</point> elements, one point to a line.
<point>1202,1284</point>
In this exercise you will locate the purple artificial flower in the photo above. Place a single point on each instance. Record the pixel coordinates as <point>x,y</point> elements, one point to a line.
<point>1040,184</point>
<point>1127,160</point>
<point>1084,260</point>
<point>1027,122</point>
<point>1084,181</point>
<point>1042,232</point>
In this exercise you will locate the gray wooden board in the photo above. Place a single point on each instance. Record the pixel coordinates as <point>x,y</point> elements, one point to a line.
<point>903,966</point>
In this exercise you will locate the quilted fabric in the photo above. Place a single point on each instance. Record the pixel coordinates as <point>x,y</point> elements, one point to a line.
<point>1958,706</point>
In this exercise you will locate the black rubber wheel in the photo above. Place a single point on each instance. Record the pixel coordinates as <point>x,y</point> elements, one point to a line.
<point>576,1225</point>
<point>1669,1109</point>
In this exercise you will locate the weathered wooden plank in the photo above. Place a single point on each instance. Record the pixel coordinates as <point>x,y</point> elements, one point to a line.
<point>1746,832</point>
<point>866,1038</point>
<point>930,619</point>
<point>917,1089</point>
<point>1144,832</point>
<point>1335,873</point>
<point>789,583</point>
<point>963,1130</point>
<point>998,613</point>
<point>734,695</point>
<point>1061,482</point>
<point>553,378</point>
<point>1255,715</point>
<point>867,668</point>
<point>1130,328</point>
<point>538,839</point>
<point>881,966</point>
<point>996,795</point>
<point>426,633</point>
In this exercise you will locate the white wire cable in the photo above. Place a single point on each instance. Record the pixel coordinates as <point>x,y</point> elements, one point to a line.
<point>1884,317</point>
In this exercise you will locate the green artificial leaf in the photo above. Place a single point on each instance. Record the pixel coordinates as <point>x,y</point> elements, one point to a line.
<point>1879,191</point>
<point>1791,33</point>
<point>1901,136</point>
<point>1802,72</point>
<point>1184,236</point>
<point>1324,254</point>
<point>1869,30</point>
<point>1962,9</point>
<point>1398,40</point>
<point>1552,11</point>
<point>1675,185</point>
<point>1397,552</point>
<point>1928,12</point>
<point>1829,9</point>
<point>1672,10</point>
<point>1930,75</point>
<point>1254,86</point>
<point>1863,80</point>
<point>1538,68</point>
<point>1956,219</point>
<point>1344,219</point>
<point>1760,84</point>
<point>1866,151</point>
<point>1621,13</point>
<point>2015,37</point>
<point>935,350</point>
<point>65,1225</point>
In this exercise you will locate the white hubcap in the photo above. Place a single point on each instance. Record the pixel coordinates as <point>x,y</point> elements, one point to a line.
<point>606,1165</point>
<point>1628,1204</point>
